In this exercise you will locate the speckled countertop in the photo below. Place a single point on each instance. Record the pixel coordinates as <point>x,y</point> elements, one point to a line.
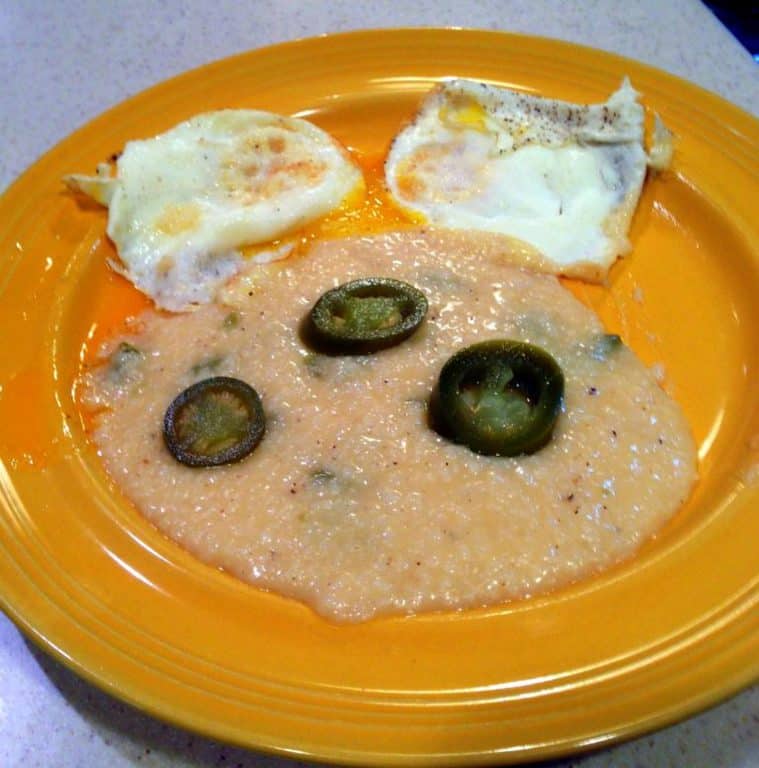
<point>64,62</point>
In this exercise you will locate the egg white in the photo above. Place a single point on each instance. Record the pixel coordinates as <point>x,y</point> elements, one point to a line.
<point>562,178</point>
<point>181,204</point>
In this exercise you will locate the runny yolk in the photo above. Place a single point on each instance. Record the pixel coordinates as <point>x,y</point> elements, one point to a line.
<point>369,210</point>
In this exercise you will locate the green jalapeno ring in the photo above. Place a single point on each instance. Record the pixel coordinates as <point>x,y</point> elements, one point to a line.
<point>365,316</point>
<point>213,422</point>
<point>499,398</point>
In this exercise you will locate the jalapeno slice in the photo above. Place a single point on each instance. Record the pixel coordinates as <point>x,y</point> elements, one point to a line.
<point>499,398</point>
<point>365,316</point>
<point>215,421</point>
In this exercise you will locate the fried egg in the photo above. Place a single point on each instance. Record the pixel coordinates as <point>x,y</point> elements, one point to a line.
<point>560,180</point>
<point>181,205</point>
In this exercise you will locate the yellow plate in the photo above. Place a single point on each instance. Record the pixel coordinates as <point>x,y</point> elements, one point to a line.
<point>653,640</point>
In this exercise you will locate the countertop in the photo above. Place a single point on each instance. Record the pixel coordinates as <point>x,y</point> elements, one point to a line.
<point>64,62</point>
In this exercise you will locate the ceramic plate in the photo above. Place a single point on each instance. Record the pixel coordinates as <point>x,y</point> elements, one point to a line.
<point>656,638</point>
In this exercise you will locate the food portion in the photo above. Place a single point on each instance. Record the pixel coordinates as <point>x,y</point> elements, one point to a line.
<point>181,205</point>
<point>561,179</point>
<point>352,502</point>
<point>387,424</point>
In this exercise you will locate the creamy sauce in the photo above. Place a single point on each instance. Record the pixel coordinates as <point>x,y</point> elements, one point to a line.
<point>351,503</point>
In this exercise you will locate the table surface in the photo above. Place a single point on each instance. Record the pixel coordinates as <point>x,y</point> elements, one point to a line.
<point>65,62</point>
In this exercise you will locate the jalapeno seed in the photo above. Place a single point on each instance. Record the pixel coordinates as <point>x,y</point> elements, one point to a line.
<point>499,398</point>
<point>213,422</point>
<point>365,316</point>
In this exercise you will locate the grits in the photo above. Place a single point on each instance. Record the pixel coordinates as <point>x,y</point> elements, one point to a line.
<point>351,503</point>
